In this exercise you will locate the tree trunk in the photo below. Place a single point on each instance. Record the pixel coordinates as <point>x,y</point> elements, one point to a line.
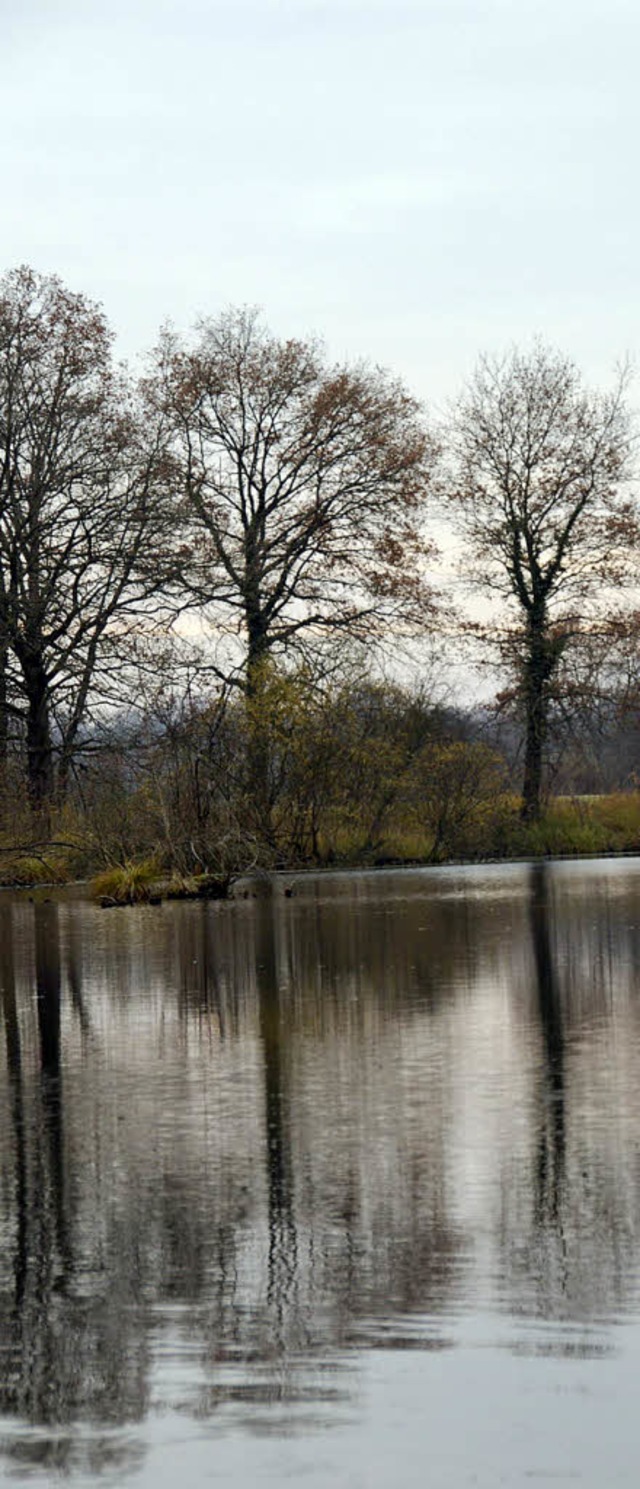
<point>533,760</point>
<point>4,735</point>
<point>4,715</point>
<point>39,747</point>
<point>259,753</point>
<point>537,671</point>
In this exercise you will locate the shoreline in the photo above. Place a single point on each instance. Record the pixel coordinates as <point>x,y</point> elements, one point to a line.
<point>246,884</point>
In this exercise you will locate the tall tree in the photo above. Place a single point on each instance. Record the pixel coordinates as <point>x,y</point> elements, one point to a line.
<point>539,493</point>
<point>78,522</point>
<point>301,491</point>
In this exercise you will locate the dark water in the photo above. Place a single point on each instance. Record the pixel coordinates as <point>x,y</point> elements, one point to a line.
<point>341,1188</point>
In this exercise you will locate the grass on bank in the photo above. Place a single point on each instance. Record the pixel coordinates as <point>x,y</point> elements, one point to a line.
<point>580,826</point>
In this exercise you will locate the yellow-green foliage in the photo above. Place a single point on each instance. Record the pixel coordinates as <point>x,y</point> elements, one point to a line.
<point>455,793</point>
<point>618,816</point>
<point>493,828</point>
<point>558,833</point>
<point>405,845</point>
<point>197,887</point>
<point>595,824</point>
<point>25,870</point>
<point>180,887</point>
<point>70,852</point>
<point>568,825</point>
<point>126,884</point>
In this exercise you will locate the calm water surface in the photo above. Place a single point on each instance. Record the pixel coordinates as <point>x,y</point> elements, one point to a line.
<point>339,1188</point>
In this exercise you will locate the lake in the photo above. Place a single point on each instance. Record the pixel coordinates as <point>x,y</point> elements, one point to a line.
<point>337,1185</point>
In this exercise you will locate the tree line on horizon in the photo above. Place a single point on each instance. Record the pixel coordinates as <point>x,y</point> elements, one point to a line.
<point>201,565</point>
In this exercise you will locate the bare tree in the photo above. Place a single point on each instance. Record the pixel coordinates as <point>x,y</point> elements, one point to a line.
<point>303,483</point>
<point>301,491</point>
<point>80,539</point>
<point>539,494</point>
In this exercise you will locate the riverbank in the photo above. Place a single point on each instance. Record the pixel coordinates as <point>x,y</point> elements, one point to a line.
<point>584,826</point>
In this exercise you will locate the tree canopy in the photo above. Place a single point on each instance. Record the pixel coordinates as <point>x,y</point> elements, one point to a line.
<point>300,486</point>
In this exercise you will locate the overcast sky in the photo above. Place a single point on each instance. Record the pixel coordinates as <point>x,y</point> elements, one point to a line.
<point>415,180</point>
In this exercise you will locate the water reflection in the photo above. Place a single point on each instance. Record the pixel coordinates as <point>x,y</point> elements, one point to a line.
<point>240,1143</point>
<point>64,1348</point>
<point>550,1173</point>
<point>283,1244</point>
<point>16,1103</point>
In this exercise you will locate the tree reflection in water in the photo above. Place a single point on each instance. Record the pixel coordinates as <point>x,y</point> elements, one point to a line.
<point>281,1215</point>
<point>16,1100</point>
<point>237,1136</point>
<point>569,1245</point>
<point>68,1351</point>
<point>552,1124</point>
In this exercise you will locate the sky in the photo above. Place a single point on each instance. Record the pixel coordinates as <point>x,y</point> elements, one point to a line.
<point>415,181</point>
